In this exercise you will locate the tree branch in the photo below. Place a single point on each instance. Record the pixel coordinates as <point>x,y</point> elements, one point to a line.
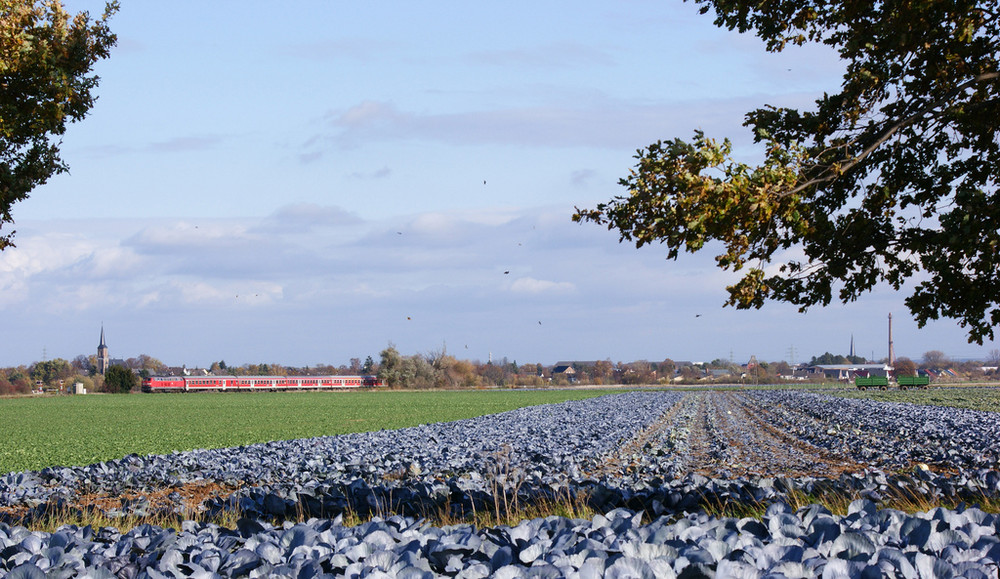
<point>892,130</point>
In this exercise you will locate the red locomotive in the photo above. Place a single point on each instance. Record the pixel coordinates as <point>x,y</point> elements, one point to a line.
<point>255,383</point>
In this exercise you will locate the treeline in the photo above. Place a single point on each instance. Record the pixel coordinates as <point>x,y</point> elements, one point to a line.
<point>439,369</point>
<point>442,370</point>
<point>355,368</point>
<point>49,374</point>
<point>59,374</point>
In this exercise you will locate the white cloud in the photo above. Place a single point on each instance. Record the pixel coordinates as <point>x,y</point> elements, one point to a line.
<point>115,261</point>
<point>35,254</point>
<point>12,291</point>
<point>306,218</point>
<point>528,285</point>
<point>600,122</point>
<point>238,293</point>
<point>366,113</point>
<point>165,237</point>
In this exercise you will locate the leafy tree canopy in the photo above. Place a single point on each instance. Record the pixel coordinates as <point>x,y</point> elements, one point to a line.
<point>894,177</point>
<point>119,380</point>
<point>49,371</point>
<point>46,58</point>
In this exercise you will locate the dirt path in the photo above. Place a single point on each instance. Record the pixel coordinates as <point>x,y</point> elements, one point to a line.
<point>730,435</point>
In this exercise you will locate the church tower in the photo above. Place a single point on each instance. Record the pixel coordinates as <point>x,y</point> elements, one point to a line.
<point>103,360</point>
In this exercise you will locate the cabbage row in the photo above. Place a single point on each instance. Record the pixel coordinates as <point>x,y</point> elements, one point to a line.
<point>808,543</point>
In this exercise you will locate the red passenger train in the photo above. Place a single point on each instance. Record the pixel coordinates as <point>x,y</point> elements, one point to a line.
<point>255,383</point>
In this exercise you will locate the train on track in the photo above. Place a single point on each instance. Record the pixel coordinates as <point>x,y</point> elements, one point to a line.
<point>255,383</point>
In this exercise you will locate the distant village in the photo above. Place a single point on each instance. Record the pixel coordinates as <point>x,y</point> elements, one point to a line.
<point>439,369</point>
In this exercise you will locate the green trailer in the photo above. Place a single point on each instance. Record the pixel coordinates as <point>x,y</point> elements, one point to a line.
<point>864,383</point>
<point>905,382</point>
<point>882,382</point>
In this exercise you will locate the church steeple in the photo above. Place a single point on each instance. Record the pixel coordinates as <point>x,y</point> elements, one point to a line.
<point>103,359</point>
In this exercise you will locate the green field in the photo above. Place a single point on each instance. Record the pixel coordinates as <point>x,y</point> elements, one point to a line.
<point>79,430</point>
<point>971,398</point>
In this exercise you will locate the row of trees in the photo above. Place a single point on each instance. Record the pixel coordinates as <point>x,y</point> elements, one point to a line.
<point>117,379</point>
<point>355,367</point>
<point>932,359</point>
<point>441,370</point>
<point>59,374</point>
<point>438,369</point>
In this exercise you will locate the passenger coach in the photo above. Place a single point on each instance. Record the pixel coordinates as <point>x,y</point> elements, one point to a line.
<point>255,383</point>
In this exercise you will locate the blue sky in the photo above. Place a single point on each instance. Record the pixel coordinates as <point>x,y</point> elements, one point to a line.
<point>307,182</point>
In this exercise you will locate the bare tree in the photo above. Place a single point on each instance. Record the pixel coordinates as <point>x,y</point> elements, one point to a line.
<point>936,359</point>
<point>993,359</point>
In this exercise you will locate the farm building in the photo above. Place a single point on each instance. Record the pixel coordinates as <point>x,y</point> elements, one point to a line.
<point>847,372</point>
<point>565,369</point>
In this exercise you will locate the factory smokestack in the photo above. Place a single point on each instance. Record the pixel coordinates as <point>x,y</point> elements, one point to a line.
<point>892,354</point>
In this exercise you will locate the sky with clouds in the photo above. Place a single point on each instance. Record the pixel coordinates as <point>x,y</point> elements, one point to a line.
<point>307,182</point>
